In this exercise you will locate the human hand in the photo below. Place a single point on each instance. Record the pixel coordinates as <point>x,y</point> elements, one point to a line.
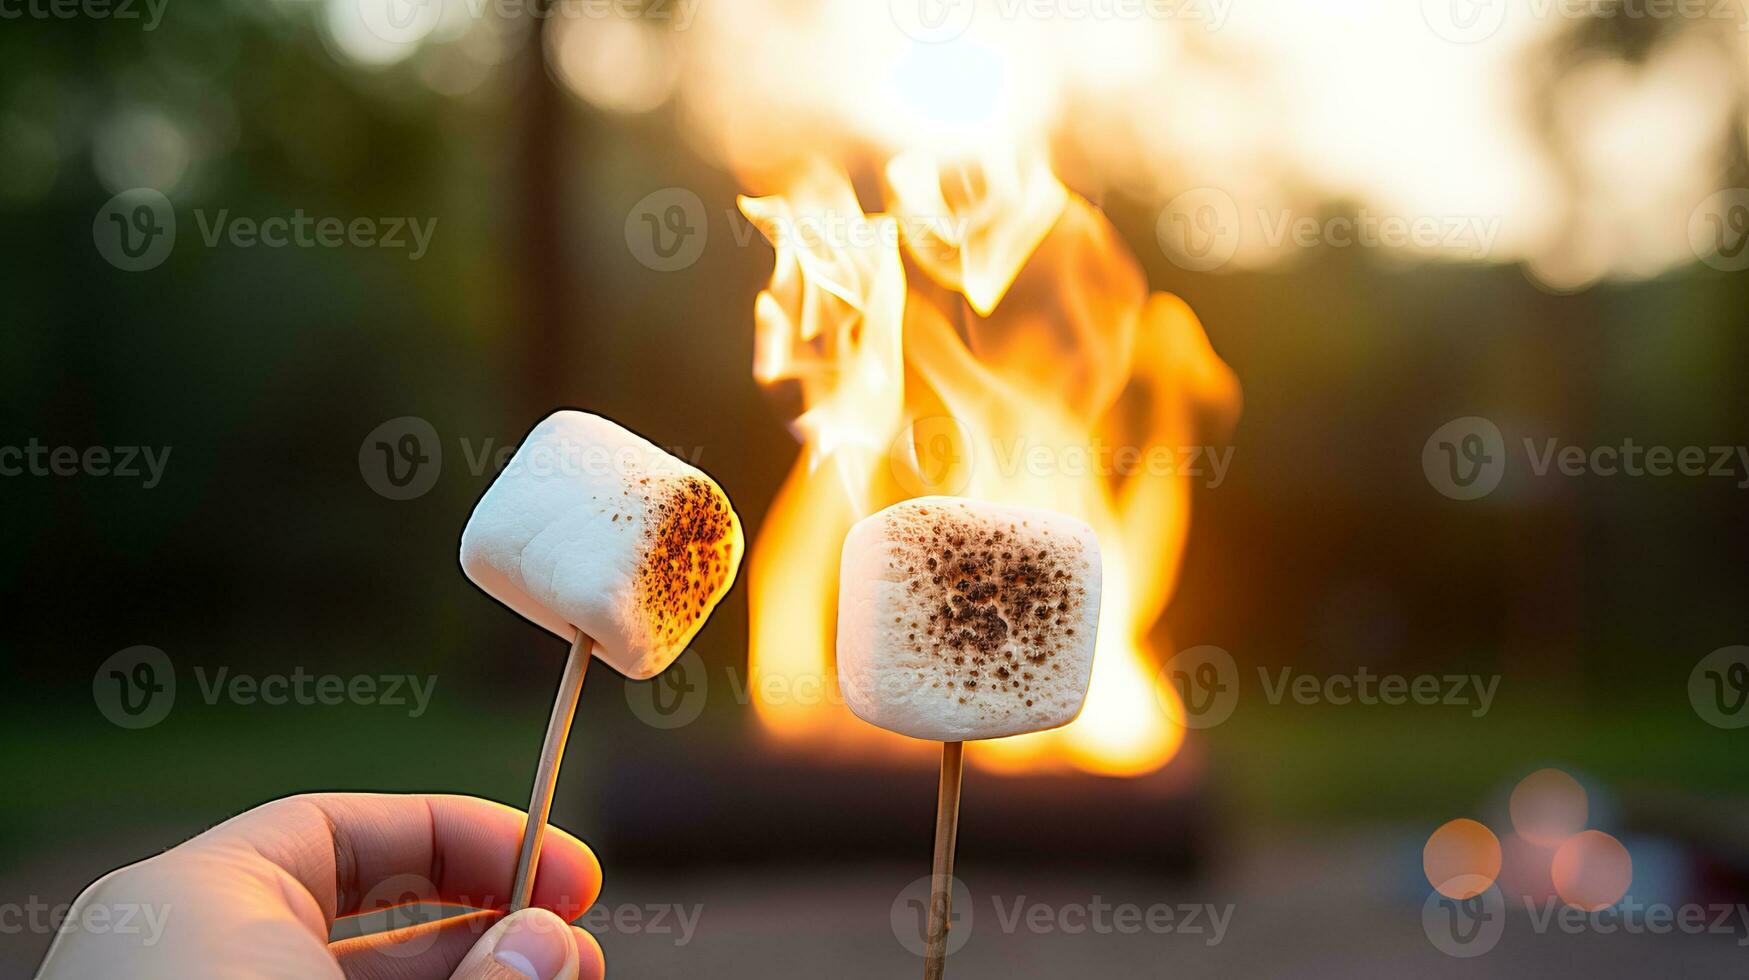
<point>256,896</point>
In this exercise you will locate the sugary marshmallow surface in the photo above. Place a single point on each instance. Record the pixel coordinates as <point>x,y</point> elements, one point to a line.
<point>961,619</point>
<point>592,527</point>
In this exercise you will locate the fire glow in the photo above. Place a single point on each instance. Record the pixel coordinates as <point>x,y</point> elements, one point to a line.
<point>988,306</point>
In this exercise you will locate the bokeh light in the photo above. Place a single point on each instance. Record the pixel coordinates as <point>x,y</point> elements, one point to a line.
<point>1582,159</point>
<point>620,64</point>
<point>139,147</point>
<point>1592,870</point>
<point>372,33</point>
<point>1461,858</point>
<point>1548,806</point>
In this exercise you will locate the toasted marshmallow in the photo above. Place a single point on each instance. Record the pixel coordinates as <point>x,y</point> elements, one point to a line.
<point>590,527</point>
<point>961,619</point>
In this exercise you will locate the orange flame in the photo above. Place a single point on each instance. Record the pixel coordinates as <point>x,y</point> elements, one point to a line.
<point>991,337</point>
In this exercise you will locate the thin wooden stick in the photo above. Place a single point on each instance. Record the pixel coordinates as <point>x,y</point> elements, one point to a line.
<point>546,774</point>
<point>947,822</point>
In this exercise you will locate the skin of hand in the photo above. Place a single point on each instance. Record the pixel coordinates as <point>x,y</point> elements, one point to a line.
<point>256,897</point>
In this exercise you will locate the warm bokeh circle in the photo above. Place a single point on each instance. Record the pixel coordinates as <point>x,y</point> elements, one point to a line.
<point>1592,870</point>
<point>1548,806</point>
<point>1461,859</point>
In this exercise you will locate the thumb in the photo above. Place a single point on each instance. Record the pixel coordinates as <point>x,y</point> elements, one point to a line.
<point>532,944</point>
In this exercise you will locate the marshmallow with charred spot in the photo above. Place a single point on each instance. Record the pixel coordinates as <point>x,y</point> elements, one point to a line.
<point>592,528</point>
<point>962,619</point>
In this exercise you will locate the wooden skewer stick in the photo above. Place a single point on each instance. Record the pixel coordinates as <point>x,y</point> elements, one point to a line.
<point>546,774</point>
<point>947,821</point>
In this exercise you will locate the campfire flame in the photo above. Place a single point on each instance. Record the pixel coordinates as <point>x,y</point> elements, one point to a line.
<point>989,337</point>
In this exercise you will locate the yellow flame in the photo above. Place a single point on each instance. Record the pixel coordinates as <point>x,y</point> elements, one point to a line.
<point>1021,360</point>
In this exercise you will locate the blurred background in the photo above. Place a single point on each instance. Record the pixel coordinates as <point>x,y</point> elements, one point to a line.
<point>1432,244</point>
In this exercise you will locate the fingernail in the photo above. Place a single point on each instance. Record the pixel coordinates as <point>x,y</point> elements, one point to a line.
<point>535,943</point>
